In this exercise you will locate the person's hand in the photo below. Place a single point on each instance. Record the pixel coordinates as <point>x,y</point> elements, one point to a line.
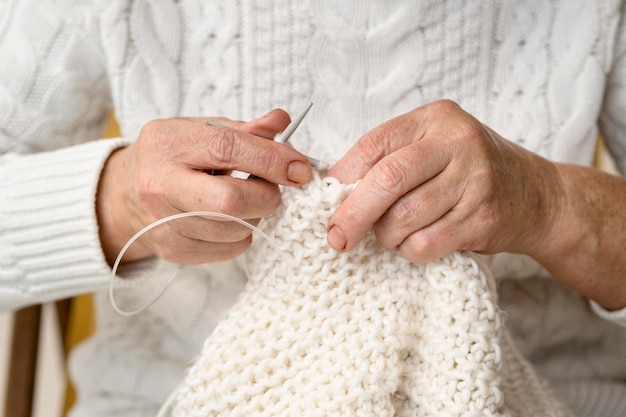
<point>166,171</point>
<point>436,180</point>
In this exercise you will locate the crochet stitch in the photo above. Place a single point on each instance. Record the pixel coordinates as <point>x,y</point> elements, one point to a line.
<point>363,333</point>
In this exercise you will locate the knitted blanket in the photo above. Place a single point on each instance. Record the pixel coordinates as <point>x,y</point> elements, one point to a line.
<point>363,333</point>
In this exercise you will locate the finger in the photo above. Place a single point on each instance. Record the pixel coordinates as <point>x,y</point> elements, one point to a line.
<point>212,229</point>
<point>244,199</point>
<point>228,149</point>
<point>458,229</point>
<point>195,252</point>
<point>382,186</point>
<point>436,240</point>
<point>417,209</point>
<point>209,229</point>
<point>375,145</point>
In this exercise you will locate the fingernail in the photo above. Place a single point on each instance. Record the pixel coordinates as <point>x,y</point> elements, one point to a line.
<point>336,238</point>
<point>298,172</point>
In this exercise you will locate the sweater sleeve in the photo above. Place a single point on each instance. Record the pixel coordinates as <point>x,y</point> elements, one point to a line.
<point>48,229</point>
<point>53,103</point>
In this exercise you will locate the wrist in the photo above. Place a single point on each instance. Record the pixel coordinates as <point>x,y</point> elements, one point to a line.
<point>548,236</point>
<point>581,246</point>
<point>111,208</point>
<point>538,207</point>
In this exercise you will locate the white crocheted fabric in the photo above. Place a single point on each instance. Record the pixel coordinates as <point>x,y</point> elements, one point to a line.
<point>363,333</point>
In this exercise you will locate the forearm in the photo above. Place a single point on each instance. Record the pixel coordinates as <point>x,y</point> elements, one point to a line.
<point>584,247</point>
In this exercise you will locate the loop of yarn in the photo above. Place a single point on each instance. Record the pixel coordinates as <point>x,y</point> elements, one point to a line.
<point>362,333</point>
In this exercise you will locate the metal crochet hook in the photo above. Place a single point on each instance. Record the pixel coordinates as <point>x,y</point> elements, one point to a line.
<point>284,136</point>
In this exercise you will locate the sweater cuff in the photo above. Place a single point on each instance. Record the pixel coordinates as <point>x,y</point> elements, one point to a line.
<point>49,237</point>
<point>618,316</point>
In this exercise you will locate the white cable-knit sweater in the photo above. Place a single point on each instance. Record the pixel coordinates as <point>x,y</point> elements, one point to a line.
<point>545,74</point>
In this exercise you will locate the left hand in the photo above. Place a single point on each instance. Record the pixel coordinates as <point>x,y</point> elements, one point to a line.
<point>436,180</point>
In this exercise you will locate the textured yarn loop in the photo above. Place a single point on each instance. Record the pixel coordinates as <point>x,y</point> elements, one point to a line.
<point>362,333</point>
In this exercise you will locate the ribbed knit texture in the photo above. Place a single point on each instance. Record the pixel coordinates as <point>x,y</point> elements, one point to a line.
<point>49,239</point>
<point>364,333</point>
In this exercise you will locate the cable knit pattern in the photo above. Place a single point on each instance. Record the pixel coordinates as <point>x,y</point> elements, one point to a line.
<point>52,81</point>
<point>144,60</point>
<point>400,54</point>
<point>544,77</point>
<point>364,333</point>
<point>213,58</point>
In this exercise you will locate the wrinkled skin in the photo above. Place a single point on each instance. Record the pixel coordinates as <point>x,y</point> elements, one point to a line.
<point>436,180</point>
<point>166,171</point>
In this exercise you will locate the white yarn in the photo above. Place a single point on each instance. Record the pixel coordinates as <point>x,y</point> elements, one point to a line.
<point>363,333</point>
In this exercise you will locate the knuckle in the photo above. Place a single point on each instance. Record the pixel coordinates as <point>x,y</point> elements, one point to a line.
<point>404,211</point>
<point>272,161</point>
<point>462,127</point>
<point>154,131</point>
<point>466,127</point>
<point>418,246</point>
<point>470,129</point>
<point>391,177</point>
<point>373,146</point>
<point>223,147</point>
<point>396,224</point>
<point>446,103</point>
<point>152,127</point>
<point>159,139</point>
<point>444,107</point>
<point>230,200</point>
<point>427,245</point>
<point>422,247</point>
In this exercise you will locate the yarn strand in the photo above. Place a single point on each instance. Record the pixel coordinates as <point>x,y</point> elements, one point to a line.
<point>151,226</point>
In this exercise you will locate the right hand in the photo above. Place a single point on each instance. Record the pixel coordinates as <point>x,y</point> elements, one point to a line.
<point>165,172</point>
